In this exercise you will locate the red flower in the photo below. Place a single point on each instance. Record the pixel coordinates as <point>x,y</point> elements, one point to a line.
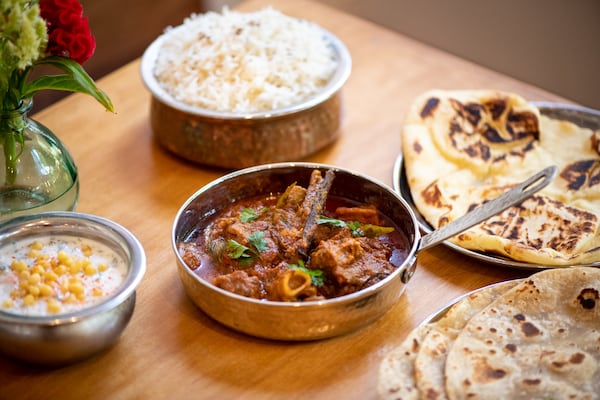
<point>69,32</point>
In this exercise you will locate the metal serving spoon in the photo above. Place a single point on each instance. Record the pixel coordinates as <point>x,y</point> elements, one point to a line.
<point>488,209</point>
<point>479,214</point>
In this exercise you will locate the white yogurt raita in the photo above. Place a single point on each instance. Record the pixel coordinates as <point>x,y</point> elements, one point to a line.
<point>51,275</point>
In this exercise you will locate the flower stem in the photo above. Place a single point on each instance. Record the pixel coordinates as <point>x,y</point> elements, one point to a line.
<point>10,156</point>
<point>12,126</point>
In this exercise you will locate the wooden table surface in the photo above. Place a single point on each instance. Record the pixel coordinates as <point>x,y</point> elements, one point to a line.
<point>171,350</point>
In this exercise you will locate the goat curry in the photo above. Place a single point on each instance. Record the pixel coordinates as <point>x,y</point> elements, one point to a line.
<point>299,245</point>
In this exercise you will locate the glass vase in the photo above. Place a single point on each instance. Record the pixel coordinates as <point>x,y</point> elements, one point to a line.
<point>37,173</point>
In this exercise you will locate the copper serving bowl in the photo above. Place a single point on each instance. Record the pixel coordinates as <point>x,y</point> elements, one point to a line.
<point>233,140</point>
<point>294,320</point>
<point>64,338</point>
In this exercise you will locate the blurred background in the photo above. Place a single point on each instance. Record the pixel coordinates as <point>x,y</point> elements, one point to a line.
<point>553,44</point>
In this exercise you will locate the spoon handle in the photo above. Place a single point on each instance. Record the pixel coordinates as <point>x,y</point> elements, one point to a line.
<point>490,208</point>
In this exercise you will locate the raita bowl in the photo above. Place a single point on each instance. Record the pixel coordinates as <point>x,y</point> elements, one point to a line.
<point>66,337</point>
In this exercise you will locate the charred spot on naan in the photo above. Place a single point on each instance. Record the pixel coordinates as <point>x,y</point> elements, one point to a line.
<point>429,108</point>
<point>522,125</point>
<point>477,128</point>
<point>595,139</point>
<point>495,107</point>
<point>417,147</point>
<point>469,112</point>
<point>433,195</point>
<point>563,229</point>
<point>582,174</point>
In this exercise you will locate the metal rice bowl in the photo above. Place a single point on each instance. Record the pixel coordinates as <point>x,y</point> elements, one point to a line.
<point>234,140</point>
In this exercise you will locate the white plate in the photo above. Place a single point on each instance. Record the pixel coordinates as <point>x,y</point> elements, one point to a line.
<point>584,117</point>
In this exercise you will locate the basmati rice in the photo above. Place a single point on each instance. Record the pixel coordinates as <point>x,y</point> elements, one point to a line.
<point>244,62</point>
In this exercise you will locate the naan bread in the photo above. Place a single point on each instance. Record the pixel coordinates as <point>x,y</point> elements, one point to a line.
<point>415,369</point>
<point>540,339</point>
<point>462,148</point>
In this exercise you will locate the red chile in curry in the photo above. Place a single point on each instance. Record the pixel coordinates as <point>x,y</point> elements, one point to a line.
<point>259,247</point>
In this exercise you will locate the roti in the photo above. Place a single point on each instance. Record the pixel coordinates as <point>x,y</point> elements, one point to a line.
<point>397,379</point>
<point>462,148</point>
<point>537,337</point>
<point>416,366</point>
<point>540,339</point>
<point>431,360</point>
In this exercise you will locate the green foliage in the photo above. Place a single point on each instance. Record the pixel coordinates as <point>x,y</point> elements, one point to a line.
<point>244,254</point>
<point>23,39</point>
<point>75,80</point>
<point>23,42</point>
<point>257,239</point>
<point>357,228</point>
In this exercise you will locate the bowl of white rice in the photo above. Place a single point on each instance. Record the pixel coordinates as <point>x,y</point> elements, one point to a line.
<point>233,90</point>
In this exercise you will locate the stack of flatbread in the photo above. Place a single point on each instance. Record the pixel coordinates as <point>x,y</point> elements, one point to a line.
<point>462,148</point>
<point>537,338</point>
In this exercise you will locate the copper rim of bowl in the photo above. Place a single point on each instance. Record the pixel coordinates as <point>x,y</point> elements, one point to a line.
<point>73,222</point>
<point>333,86</point>
<point>312,304</point>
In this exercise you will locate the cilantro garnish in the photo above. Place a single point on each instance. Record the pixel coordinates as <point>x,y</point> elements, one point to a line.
<point>357,229</point>
<point>258,240</point>
<point>338,223</point>
<point>248,215</point>
<point>237,251</point>
<point>246,254</point>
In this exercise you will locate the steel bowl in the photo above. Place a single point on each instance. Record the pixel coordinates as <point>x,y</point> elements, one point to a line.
<point>69,337</point>
<point>234,140</point>
<point>294,320</point>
